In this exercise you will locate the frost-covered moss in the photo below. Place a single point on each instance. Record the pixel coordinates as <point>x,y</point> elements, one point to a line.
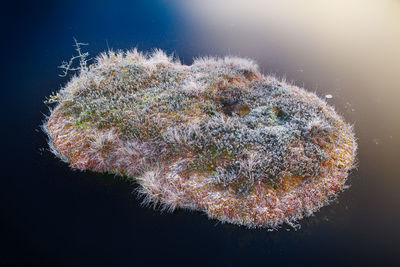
<point>216,136</point>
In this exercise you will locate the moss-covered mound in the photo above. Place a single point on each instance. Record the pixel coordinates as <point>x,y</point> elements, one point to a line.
<point>216,136</point>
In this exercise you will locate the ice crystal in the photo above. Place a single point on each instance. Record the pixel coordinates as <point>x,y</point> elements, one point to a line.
<point>216,136</point>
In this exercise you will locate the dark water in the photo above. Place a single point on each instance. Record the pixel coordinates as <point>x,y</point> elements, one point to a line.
<point>51,215</point>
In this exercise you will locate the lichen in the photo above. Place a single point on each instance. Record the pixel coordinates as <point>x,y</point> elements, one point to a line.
<point>216,136</point>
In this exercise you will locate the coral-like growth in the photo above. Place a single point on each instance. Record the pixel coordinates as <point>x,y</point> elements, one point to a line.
<point>216,136</point>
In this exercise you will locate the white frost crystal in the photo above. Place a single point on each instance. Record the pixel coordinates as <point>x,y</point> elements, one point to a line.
<point>216,136</point>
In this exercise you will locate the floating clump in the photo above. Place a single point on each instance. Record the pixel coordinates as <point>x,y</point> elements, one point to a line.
<point>216,136</point>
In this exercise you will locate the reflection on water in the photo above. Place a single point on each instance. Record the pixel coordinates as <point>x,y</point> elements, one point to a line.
<point>345,50</point>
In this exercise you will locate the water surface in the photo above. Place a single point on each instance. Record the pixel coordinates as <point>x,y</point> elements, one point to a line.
<point>347,49</point>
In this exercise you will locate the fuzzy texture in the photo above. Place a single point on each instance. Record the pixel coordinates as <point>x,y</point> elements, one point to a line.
<point>216,136</point>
